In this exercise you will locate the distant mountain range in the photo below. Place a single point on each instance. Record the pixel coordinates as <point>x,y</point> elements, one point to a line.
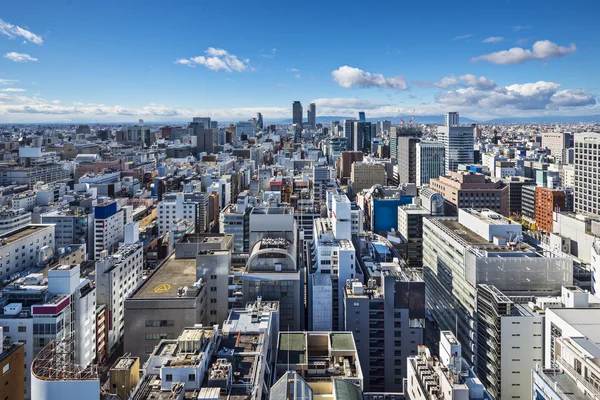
<point>439,119</point>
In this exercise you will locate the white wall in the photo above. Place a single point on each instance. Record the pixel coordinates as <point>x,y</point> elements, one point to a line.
<point>53,390</point>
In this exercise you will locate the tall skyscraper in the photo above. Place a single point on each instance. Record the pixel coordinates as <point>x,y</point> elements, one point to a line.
<point>407,159</point>
<point>362,137</point>
<point>587,183</point>
<point>361,116</point>
<point>205,136</point>
<point>259,121</point>
<point>349,132</point>
<point>297,112</point>
<point>458,142</point>
<point>431,162</point>
<point>312,115</point>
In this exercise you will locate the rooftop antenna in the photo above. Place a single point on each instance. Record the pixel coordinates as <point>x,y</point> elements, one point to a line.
<point>412,118</point>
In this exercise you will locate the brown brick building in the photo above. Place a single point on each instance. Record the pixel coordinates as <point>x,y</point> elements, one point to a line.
<point>546,202</point>
<point>344,163</point>
<point>12,373</point>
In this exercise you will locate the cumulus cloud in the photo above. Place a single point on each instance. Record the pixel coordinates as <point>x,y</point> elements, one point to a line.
<point>13,90</point>
<point>462,37</point>
<point>217,60</point>
<point>528,96</point>
<point>344,103</point>
<point>542,50</point>
<point>481,82</point>
<point>19,57</point>
<point>493,39</point>
<point>349,77</point>
<point>13,31</point>
<point>444,83</point>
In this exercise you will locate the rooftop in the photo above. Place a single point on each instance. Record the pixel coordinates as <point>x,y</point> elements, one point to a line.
<point>585,320</point>
<point>124,363</point>
<point>165,281</point>
<point>562,384</point>
<point>18,234</point>
<point>342,341</point>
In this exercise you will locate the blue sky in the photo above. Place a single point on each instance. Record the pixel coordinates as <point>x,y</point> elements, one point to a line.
<point>157,60</point>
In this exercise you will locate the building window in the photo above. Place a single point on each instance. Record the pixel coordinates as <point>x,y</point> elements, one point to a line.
<point>191,377</point>
<point>22,329</point>
<point>169,378</point>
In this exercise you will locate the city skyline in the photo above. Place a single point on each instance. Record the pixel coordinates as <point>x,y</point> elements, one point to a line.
<point>73,61</point>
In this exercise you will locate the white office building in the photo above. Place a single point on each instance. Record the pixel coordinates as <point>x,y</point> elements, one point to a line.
<point>587,168</point>
<point>117,276</point>
<point>108,228</point>
<point>173,208</point>
<point>24,248</point>
<point>431,161</point>
<point>458,142</point>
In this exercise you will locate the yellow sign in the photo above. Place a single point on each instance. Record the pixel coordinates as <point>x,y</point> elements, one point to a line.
<point>162,288</point>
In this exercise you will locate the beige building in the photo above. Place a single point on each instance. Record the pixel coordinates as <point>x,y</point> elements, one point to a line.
<point>558,143</point>
<point>365,175</point>
<point>472,190</point>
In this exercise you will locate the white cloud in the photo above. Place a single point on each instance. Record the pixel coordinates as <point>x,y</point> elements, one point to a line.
<point>12,31</point>
<point>481,83</point>
<point>293,70</point>
<point>8,81</point>
<point>517,28</point>
<point>13,90</point>
<point>217,60</point>
<point>344,103</point>
<point>493,39</point>
<point>462,37</point>
<point>541,50</point>
<point>528,96</point>
<point>19,57</point>
<point>348,77</point>
<point>444,83</point>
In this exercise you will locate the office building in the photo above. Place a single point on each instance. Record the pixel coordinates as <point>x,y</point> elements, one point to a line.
<point>458,142</point>
<point>349,132</point>
<point>108,228</point>
<point>406,169</point>
<point>447,377</point>
<point>72,227</point>
<point>312,115</point>
<point>11,174</point>
<point>25,248</point>
<point>401,131</point>
<point>138,135</point>
<point>235,220</point>
<point>481,248</point>
<point>362,137</point>
<point>124,376</point>
<point>587,183</point>
<point>528,202</point>
<point>117,276</point>
<point>515,189</point>
<point>547,202</point>
<point>410,228</point>
<point>56,375</point>
<point>387,329</point>
<point>364,175</point>
<point>297,113</point>
<point>471,190</point>
<point>175,207</point>
<point>206,137</point>
<point>244,128</point>
<point>346,160</point>
<point>12,219</point>
<point>319,358</point>
<point>430,161</point>
<point>559,144</point>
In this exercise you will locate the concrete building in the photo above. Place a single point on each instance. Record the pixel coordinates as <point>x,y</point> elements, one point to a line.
<point>515,186</point>
<point>346,160</point>
<point>406,169</point>
<point>47,173</point>
<point>124,376</point>
<point>245,128</point>
<point>430,161</point>
<point>117,276</point>
<point>25,248</point>
<point>72,228</point>
<point>175,206</point>
<point>481,248</point>
<point>349,132</point>
<point>458,142</point>
<point>471,190</point>
<point>12,219</point>
<point>587,183</point>
<point>12,356</point>
<point>547,202</point>
<point>528,202</point>
<point>312,115</point>
<point>410,228</point>
<point>108,227</point>
<point>387,318</point>
<point>364,175</point>
<point>447,377</point>
<point>206,137</point>
<point>558,143</point>
<point>235,220</point>
<point>297,113</point>
<point>169,300</point>
<point>397,132</point>
<point>319,358</point>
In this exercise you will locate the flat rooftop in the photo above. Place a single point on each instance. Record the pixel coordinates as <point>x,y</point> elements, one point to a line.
<point>18,234</point>
<point>460,230</point>
<point>342,341</point>
<point>124,363</point>
<point>167,278</point>
<point>292,347</point>
<point>585,320</point>
<point>563,383</point>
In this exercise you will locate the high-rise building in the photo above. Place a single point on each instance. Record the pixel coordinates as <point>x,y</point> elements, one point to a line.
<point>395,326</point>
<point>259,121</point>
<point>458,142</point>
<point>558,143</point>
<point>108,228</point>
<point>206,137</point>
<point>349,132</point>
<point>244,128</point>
<point>361,116</point>
<point>362,137</point>
<point>587,168</point>
<point>345,163</point>
<point>430,161</point>
<point>297,112</point>
<point>312,115</point>
<point>478,251</point>
<point>547,202</point>
<point>401,131</point>
<point>406,169</point>
<point>364,175</point>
